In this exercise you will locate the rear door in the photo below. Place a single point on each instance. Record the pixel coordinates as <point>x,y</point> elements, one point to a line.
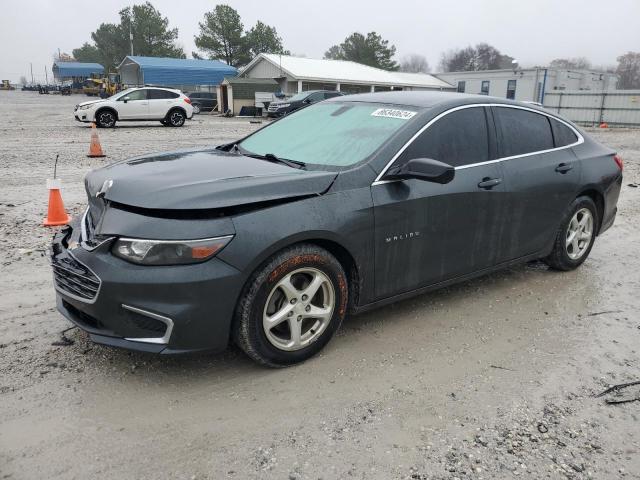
<point>425,232</point>
<point>136,107</point>
<point>160,101</point>
<point>542,177</point>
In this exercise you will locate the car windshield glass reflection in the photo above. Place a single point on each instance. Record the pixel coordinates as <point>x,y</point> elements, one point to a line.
<point>333,134</point>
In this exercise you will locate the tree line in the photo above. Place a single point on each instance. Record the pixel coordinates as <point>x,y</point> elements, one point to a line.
<point>222,36</point>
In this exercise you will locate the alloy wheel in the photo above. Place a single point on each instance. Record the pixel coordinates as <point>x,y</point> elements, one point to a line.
<point>107,119</point>
<point>579,233</point>
<point>177,119</point>
<point>298,309</point>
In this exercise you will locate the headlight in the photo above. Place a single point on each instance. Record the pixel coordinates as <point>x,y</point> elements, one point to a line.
<point>168,252</point>
<point>84,107</point>
<point>284,105</point>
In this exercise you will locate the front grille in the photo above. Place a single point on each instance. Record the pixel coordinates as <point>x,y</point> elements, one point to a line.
<point>73,278</point>
<point>273,108</point>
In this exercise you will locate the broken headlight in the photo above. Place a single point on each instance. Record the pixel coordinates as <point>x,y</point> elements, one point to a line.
<point>168,252</point>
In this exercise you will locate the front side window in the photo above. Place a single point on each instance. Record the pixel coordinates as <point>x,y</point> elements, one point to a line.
<point>134,95</point>
<point>330,134</point>
<point>511,89</point>
<point>484,87</point>
<point>459,138</point>
<point>522,131</point>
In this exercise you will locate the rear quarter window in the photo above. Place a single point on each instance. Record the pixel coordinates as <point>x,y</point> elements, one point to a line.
<point>522,131</point>
<point>562,134</point>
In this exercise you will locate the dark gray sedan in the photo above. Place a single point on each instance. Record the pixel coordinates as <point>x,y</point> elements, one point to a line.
<point>340,207</point>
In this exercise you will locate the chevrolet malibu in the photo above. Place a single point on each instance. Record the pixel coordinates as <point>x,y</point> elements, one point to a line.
<point>343,206</point>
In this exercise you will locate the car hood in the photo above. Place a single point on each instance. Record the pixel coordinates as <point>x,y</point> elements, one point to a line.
<point>203,179</point>
<point>90,102</point>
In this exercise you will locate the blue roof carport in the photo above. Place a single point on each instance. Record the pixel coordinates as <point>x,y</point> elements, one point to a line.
<point>75,69</point>
<point>136,70</point>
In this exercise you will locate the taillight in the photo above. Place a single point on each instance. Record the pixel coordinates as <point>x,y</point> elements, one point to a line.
<point>188,100</point>
<point>619,162</point>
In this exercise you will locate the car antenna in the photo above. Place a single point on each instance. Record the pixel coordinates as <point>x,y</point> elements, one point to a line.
<point>55,166</point>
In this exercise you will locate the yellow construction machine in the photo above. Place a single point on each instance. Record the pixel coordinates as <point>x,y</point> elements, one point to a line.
<point>102,86</point>
<point>6,85</point>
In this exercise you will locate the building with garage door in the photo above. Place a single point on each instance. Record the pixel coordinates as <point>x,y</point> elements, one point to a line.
<point>182,73</point>
<point>235,93</point>
<point>298,74</point>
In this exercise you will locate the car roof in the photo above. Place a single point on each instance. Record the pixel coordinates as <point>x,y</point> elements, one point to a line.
<point>160,88</point>
<point>425,99</point>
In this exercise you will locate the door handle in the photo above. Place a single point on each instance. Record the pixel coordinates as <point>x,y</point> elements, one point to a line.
<point>564,167</point>
<point>488,183</point>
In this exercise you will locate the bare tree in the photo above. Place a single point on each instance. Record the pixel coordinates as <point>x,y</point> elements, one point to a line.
<point>578,63</point>
<point>481,57</point>
<point>414,63</point>
<point>628,71</point>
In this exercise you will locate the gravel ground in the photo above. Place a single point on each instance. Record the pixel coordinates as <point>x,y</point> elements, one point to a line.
<point>491,379</point>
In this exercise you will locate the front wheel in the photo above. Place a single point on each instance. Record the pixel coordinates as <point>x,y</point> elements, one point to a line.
<point>105,119</point>
<point>575,236</point>
<point>291,306</point>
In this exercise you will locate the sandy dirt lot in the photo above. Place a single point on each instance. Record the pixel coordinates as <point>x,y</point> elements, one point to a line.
<point>491,379</point>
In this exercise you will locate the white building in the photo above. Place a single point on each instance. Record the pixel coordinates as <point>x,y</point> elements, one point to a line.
<point>298,74</point>
<point>528,84</point>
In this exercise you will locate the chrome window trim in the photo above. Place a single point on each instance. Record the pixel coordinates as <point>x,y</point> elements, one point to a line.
<point>157,340</point>
<point>379,181</point>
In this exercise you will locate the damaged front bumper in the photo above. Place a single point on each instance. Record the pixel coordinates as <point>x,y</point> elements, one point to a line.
<point>160,309</point>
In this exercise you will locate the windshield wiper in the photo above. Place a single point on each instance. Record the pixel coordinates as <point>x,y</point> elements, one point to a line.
<point>285,161</point>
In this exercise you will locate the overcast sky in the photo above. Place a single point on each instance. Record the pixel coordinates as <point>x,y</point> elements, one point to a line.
<point>532,31</point>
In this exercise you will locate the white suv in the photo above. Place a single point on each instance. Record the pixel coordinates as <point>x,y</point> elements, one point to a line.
<point>169,106</point>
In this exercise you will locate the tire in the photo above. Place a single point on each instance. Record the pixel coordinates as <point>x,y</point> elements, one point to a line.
<point>176,118</point>
<point>580,224</point>
<point>106,118</point>
<point>196,108</point>
<point>277,288</point>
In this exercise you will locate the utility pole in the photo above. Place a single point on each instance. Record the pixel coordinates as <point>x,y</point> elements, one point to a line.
<point>46,76</point>
<point>130,32</point>
<point>59,57</point>
<point>31,66</point>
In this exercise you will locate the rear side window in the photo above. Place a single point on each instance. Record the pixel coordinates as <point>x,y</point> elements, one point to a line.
<point>459,138</point>
<point>562,134</point>
<point>161,94</point>
<point>522,131</point>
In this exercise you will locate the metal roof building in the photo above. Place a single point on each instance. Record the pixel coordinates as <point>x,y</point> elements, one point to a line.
<point>296,74</point>
<point>179,72</point>
<point>66,70</point>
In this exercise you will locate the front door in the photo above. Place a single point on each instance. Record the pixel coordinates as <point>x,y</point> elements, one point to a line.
<point>427,233</point>
<point>136,106</point>
<point>541,177</point>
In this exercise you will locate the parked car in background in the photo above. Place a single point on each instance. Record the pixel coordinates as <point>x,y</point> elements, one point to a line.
<point>280,108</point>
<point>203,101</point>
<point>171,107</point>
<point>340,207</point>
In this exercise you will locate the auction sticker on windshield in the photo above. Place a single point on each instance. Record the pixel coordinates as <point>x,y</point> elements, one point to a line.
<point>393,113</point>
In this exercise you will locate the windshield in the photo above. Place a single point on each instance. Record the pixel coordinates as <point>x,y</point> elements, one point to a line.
<point>332,134</point>
<point>121,94</point>
<point>298,97</point>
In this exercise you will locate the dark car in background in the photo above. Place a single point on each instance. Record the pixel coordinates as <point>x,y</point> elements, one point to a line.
<point>299,100</point>
<point>340,207</point>
<point>203,101</point>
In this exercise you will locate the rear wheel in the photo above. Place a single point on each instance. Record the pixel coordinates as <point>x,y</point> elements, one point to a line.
<point>575,236</point>
<point>106,119</point>
<point>291,306</point>
<point>196,108</point>
<point>176,118</point>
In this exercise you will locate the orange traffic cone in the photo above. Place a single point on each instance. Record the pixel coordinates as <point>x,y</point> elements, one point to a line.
<point>604,125</point>
<point>56,214</point>
<point>95,150</point>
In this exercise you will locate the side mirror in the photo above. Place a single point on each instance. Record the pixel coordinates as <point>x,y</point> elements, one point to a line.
<point>125,99</point>
<point>306,100</point>
<point>425,169</point>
